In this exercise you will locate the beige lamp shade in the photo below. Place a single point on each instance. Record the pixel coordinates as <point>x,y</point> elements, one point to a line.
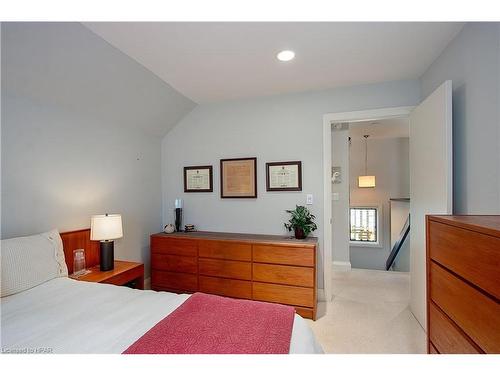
<point>366,181</point>
<point>106,227</point>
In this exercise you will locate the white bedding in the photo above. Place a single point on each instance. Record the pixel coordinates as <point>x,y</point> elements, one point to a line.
<point>67,316</point>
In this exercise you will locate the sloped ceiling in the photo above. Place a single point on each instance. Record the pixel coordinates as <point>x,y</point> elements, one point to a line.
<point>67,65</point>
<point>219,61</point>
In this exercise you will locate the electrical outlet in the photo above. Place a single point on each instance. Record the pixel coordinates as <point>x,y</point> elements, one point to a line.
<point>309,199</point>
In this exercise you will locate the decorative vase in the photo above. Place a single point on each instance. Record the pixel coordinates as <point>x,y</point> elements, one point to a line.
<point>299,233</point>
<point>169,228</point>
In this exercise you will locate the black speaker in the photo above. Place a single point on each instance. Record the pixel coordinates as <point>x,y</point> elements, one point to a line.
<point>107,255</point>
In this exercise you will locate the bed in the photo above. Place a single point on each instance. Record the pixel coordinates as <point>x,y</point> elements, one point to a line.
<point>62,315</point>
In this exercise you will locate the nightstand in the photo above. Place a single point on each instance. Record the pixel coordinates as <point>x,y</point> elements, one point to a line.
<point>124,274</point>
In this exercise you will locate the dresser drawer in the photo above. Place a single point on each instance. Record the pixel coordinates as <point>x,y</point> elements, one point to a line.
<point>226,287</point>
<point>288,275</point>
<point>474,312</point>
<point>432,349</point>
<point>289,295</point>
<point>472,255</point>
<point>445,335</point>
<point>175,263</point>
<point>295,256</point>
<point>225,268</point>
<point>163,280</point>
<point>174,246</point>
<point>225,250</point>
<point>305,312</point>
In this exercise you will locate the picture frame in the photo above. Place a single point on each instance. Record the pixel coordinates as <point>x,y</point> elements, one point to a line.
<point>198,179</point>
<point>284,176</point>
<point>238,178</point>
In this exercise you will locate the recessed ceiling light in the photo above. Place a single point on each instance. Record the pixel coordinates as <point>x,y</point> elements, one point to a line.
<point>286,55</point>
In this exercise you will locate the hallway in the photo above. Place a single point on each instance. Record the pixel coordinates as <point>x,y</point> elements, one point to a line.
<point>369,314</point>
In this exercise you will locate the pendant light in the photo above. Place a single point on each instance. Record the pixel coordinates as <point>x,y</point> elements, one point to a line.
<point>366,181</point>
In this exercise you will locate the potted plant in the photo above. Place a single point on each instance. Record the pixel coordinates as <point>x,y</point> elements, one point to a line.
<point>301,222</point>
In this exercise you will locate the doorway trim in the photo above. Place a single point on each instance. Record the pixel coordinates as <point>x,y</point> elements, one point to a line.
<point>328,120</point>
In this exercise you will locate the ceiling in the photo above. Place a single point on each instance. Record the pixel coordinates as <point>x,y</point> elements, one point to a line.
<point>389,128</point>
<point>221,61</point>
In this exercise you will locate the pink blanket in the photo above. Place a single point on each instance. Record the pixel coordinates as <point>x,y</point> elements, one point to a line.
<point>208,324</point>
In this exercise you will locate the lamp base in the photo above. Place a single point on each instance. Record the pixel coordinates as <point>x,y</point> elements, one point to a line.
<point>107,255</point>
<point>178,219</point>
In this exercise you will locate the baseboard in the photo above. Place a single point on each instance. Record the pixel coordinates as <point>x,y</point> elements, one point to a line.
<point>147,283</point>
<point>341,266</point>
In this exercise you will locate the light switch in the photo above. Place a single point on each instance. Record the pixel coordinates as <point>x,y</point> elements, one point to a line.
<point>309,199</point>
<point>335,196</point>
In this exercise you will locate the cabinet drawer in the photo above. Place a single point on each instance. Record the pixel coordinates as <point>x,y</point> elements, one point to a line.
<point>225,287</point>
<point>295,256</point>
<point>174,246</point>
<point>288,275</point>
<point>474,312</point>
<point>305,312</point>
<point>225,268</point>
<point>163,280</point>
<point>432,349</point>
<point>446,337</point>
<point>125,277</point>
<point>474,256</point>
<point>225,250</point>
<point>289,295</point>
<point>175,263</point>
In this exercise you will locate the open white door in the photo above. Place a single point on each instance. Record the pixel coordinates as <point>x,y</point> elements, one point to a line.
<point>430,182</point>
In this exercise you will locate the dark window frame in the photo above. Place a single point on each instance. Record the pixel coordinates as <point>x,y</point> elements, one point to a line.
<point>376,227</point>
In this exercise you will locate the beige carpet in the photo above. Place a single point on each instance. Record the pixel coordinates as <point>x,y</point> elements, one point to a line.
<point>369,314</point>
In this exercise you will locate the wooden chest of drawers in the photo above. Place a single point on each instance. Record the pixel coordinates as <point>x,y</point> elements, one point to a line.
<point>463,284</point>
<point>258,267</point>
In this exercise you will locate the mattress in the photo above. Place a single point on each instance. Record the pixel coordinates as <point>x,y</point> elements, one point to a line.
<point>68,316</point>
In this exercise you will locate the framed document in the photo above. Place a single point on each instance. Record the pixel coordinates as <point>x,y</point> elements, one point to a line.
<point>284,176</point>
<point>238,178</point>
<point>198,179</point>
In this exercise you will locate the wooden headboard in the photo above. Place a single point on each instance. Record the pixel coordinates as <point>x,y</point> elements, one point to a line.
<point>80,239</point>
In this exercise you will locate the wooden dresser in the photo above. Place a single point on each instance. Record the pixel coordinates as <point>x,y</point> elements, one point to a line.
<point>463,284</point>
<point>258,267</point>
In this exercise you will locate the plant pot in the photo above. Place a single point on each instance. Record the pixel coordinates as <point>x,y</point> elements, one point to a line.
<point>299,233</point>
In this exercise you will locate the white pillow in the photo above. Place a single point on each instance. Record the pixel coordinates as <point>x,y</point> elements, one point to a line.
<point>30,261</point>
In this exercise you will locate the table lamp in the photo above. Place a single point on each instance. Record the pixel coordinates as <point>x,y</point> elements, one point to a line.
<point>106,228</point>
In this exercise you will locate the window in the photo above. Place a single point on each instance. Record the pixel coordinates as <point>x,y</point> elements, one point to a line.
<point>364,225</point>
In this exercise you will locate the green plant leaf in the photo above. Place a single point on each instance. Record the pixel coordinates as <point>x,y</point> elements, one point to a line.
<point>301,217</point>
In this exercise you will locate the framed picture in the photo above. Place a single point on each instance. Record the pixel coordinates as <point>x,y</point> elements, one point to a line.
<point>198,179</point>
<point>284,176</point>
<point>238,178</point>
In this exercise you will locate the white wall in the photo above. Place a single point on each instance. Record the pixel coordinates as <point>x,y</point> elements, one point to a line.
<point>472,62</point>
<point>81,134</point>
<point>388,160</point>
<point>1,117</point>
<point>340,207</point>
<point>284,127</point>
